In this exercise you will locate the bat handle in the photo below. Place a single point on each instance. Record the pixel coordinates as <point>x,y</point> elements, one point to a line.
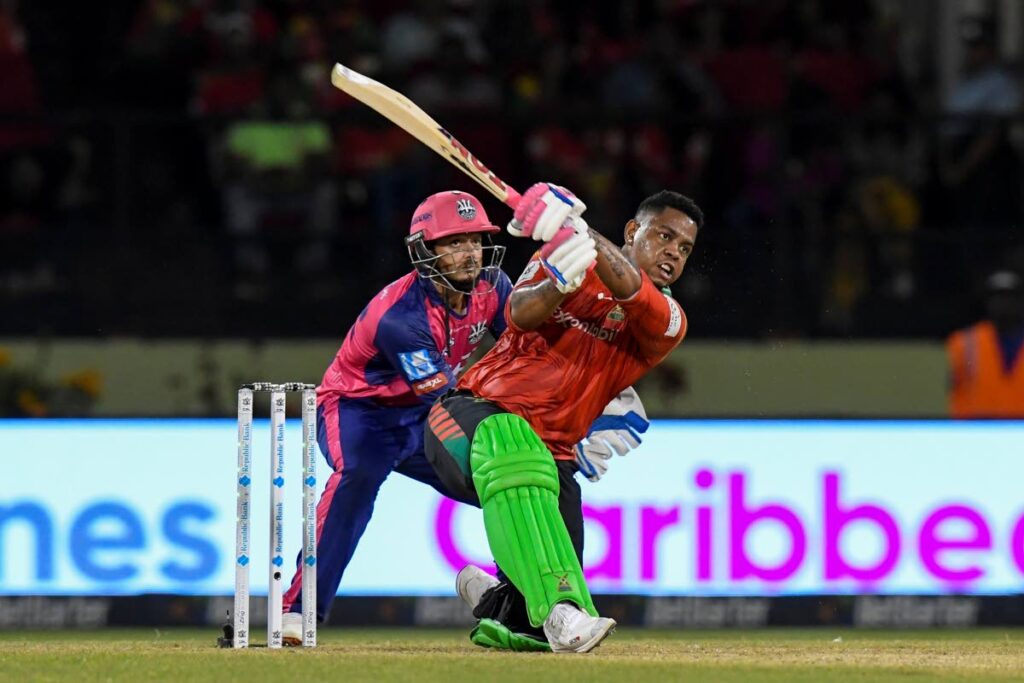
<point>512,198</point>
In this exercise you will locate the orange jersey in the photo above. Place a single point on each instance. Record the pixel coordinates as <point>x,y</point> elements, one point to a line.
<point>560,376</point>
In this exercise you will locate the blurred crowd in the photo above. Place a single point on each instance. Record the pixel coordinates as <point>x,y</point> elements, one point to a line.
<point>183,167</point>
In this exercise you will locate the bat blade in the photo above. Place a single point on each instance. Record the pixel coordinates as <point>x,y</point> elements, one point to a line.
<point>404,113</point>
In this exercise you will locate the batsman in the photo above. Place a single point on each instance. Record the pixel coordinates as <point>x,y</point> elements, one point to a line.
<point>586,319</point>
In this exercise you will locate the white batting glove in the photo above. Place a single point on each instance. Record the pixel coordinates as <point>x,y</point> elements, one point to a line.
<point>568,255</point>
<point>544,208</point>
<point>592,459</point>
<point>617,430</point>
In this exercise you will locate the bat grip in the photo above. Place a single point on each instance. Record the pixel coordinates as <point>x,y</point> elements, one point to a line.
<point>512,198</point>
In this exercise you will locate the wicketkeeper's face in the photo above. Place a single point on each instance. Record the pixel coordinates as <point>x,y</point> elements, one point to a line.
<point>460,255</point>
<point>660,244</point>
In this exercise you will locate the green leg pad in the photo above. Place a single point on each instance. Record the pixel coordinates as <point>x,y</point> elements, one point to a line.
<point>490,633</point>
<point>517,481</point>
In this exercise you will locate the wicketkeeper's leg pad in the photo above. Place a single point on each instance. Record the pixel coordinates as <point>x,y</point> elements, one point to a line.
<point>517,481</point>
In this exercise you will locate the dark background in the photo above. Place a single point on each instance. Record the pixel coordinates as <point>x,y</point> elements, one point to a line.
<point>858,161</point>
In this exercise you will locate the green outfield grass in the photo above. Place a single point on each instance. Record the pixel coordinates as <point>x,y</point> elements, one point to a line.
<point>445,655</point>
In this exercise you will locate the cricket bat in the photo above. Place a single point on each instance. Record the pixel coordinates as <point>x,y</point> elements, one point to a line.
<point>404,113</point>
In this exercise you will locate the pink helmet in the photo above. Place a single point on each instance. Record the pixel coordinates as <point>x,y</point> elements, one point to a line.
<point>450,213</point>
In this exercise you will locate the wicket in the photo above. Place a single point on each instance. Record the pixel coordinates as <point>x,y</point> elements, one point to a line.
<point>243,558</point>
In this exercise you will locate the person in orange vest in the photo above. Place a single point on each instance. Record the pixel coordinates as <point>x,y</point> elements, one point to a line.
<point>985,360</point>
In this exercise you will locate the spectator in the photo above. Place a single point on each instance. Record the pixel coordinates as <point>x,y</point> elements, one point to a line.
<point>454,82</point>
<point>871,280</point>
<point>234,83</point>
<point>217,22</point>
<point>986,369</point>
<point>26,253</point>
<point>351,37</point>
<point>631,81</point>
<point>413,36</point>
<point>19,94</point>
<point>795,121</point>
<point>158,70</point>
<point>277,187</point>
<point>750,71</point>
<point>979,166</point>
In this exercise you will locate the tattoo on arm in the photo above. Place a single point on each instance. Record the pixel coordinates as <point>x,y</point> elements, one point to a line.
<point>616,271</point>
<point>611,254</point>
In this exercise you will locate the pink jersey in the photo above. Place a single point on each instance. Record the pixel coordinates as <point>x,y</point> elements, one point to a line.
<point>406,348</point>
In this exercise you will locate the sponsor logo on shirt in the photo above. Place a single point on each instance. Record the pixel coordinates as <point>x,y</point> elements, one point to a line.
<point>430,384</point>
<point>616,318</point>
<point>477,332</point>
<point>568,320</point>
<point>675,317</point>
<point>417,364</point>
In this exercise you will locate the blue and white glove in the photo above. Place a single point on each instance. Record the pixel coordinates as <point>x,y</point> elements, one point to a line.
<point>617,430</point>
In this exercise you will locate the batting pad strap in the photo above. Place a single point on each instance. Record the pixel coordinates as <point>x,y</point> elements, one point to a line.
<point>517,482</point>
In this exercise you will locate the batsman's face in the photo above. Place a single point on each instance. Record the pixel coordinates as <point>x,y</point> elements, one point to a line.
<point>660,244</point>
<point>460,256</point>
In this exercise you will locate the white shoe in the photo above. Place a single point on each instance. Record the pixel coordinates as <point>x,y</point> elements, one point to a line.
<point>570,629</point>
<point>291,629</point>
<point>471,583</point>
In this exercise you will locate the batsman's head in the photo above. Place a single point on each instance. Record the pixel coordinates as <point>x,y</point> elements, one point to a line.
<point>448,241</point>
<point>661,235</point>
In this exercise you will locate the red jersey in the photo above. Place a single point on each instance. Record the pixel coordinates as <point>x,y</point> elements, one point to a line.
<point>560,376</point>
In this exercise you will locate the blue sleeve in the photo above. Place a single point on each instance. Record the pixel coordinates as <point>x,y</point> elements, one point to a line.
<point>405,340</point>
<point>502,288</point>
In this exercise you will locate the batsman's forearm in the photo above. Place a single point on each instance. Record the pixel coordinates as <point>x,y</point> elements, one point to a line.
<point>533,304</point>
<point>615,270</point>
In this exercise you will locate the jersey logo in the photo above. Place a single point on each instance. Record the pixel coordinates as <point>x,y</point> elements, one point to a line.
<point>417,364</point>
<point>430,384</point>
<point>477,332</point>
<point>675,317</point>
<point>465,209</point>
<point>568,320</point>
<point>616,318</point>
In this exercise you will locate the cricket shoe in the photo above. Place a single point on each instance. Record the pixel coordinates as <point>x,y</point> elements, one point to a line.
<point>570,629</point>
<point>471,583</point>
<point>291,629</point>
